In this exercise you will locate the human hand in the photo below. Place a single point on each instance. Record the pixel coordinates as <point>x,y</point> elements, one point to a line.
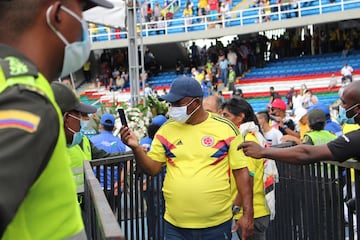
<point>128,137</point>
<point>246,223</point>
<point>251,149</point>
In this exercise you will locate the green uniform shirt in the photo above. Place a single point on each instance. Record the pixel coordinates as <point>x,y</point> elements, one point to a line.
<point>36,187</point>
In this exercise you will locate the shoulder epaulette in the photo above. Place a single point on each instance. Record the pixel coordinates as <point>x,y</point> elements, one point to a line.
<point>14,67</point>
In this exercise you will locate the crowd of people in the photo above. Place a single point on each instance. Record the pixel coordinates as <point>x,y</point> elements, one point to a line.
<point>310,125</point>
<point>304,125</point>
<point>224,63</point>
<point>155,15</point>
<point>300,120</point>
<point>43,148</point>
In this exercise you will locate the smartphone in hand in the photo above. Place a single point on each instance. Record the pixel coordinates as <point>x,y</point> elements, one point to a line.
<point>122,117</point>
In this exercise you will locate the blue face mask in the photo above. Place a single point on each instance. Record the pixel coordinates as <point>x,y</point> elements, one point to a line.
<point>76,53</point>
<point>84,124</point>
<point>77,137</point>
<point>351,119</point>
<point>342,116</point>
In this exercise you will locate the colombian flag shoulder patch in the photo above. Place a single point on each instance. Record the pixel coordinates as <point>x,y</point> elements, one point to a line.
<point>19,119</point>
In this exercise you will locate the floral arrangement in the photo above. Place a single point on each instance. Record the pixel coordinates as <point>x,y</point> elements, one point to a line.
<point>138,117</point>
<point>138,121</point>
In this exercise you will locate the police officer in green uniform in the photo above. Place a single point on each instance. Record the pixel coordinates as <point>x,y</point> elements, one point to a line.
<point>39,41</point>
<point>317,135</point>
<point>79,147</point>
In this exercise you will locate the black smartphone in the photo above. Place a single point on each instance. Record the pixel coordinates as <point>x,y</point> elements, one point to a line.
<point>122,117</point>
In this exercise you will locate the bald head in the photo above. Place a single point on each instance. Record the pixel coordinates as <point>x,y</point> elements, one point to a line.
<point>350,100</point>
<point>352,92</point>
<point>212,104</point>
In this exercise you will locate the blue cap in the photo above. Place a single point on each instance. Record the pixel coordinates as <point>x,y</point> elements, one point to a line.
<point>159,120</point>
<point>333,127</point>
<point>323,107</point>
<point>183,87</point>
<point>107,119</point>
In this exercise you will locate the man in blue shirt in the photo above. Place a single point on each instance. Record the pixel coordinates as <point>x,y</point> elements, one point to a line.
<point>105,140</point>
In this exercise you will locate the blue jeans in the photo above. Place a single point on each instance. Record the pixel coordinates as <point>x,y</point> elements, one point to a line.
<point>224,76</point>
<point>219,232</point>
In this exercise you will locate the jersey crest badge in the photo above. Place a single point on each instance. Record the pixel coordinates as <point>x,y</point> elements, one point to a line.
<point>207,141</point>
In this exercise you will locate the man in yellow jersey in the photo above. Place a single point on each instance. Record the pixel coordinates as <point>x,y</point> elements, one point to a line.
<point>340,149</point>
<point>196,147</point>
<point>39,41</point>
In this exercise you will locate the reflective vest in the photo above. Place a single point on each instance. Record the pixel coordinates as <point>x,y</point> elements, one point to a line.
<point>321,137</point>
<point>77,156</point>
<point>50,209</point>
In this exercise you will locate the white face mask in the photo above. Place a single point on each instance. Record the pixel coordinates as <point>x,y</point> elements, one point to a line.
<point>179,114</point>
<point>76,53</point>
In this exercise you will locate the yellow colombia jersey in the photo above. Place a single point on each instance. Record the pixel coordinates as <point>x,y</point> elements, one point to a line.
<point>197,186</point>
<point>256,168</point>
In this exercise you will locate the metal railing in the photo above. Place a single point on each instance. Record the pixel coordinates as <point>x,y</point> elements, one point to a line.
<point>100,222</point>
<point>310,200</point>
<point>253,15</point>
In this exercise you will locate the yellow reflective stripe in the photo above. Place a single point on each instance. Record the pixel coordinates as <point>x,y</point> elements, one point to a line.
<point>2,80</point>
<point>25,80</point>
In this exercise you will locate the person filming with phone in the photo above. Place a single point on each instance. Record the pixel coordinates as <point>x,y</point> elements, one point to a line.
<point>198,150</point>
<point>281,120</point>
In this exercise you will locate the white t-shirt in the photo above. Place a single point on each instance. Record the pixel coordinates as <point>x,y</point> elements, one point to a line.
<point>346,71</point>
<point>273,136</point>
<point>297,101</point>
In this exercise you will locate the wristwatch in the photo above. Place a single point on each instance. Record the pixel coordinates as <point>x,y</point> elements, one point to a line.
<point>235,209</point>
